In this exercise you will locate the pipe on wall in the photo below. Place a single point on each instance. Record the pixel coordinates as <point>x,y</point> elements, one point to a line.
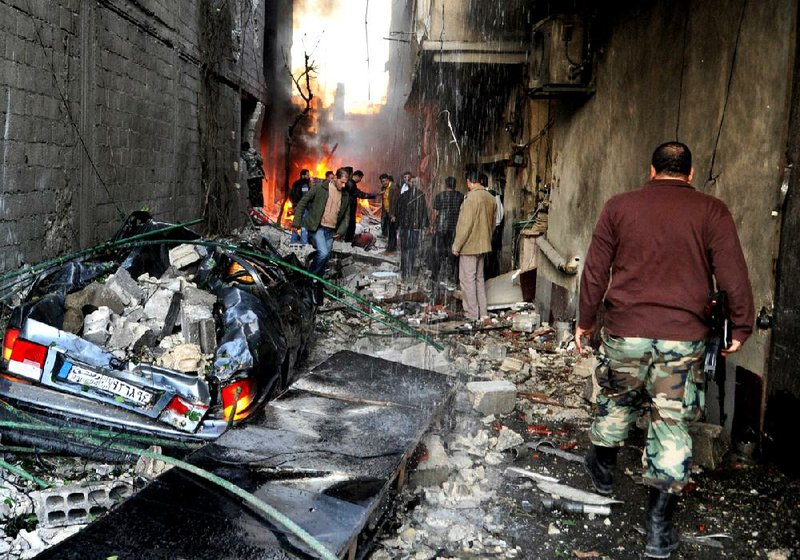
<point>565,266</point>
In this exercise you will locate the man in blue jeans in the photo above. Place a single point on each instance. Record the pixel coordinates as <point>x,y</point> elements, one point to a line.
<point>325,212</point>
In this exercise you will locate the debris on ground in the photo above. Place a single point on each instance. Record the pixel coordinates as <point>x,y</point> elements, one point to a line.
<point>502,476</point>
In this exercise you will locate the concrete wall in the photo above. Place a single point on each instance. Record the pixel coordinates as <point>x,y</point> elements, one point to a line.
<point>102,107</point>
<point>649,90</point>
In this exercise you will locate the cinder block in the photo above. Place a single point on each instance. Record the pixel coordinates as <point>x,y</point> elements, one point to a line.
<point>183,255</point>
<point>125,287</point>
<point>492,397</point>
<point>76,504</point>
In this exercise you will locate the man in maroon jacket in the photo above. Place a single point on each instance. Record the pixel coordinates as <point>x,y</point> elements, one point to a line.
<point>653,260</point>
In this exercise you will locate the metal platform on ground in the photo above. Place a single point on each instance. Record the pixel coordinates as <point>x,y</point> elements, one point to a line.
<point>327,454</point>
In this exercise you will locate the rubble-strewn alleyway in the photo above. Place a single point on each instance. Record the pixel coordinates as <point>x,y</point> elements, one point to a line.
<point>483,477</point>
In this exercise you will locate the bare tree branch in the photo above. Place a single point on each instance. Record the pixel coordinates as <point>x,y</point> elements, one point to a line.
<point>307,95</point>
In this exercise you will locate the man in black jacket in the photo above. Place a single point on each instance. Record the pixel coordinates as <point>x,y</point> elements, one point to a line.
<point>412,217</point>
<point>355,193</point>
<point>299,190</point>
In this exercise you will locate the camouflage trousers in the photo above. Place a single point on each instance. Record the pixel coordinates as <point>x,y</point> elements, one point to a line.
<point>667,376</point>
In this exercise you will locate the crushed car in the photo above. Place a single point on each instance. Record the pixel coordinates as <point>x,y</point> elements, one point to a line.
<point>169,335</point>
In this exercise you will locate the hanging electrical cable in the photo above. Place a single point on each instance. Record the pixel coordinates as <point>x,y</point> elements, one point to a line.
<point>711,177</point>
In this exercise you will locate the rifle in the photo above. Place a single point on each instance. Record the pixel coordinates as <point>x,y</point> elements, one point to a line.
<point>719,334</point>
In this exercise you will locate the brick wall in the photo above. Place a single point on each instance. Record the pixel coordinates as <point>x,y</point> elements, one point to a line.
<point>100,109</point>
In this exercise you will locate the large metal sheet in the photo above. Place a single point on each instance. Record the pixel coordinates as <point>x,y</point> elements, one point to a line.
<point>323,453</point>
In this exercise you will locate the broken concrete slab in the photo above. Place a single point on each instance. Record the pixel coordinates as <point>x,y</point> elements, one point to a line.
<point>158,305</point>
<point>435,468</point>
<point>507,439</point>
<point>492,397</point>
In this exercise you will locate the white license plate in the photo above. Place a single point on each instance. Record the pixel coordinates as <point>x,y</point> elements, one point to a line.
<point>129,392</point>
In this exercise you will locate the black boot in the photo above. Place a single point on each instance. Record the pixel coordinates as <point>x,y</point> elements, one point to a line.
<point>662,538</point>
<point>600,463</point>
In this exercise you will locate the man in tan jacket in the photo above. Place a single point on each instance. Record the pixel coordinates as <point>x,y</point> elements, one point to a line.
<point>473,239</point>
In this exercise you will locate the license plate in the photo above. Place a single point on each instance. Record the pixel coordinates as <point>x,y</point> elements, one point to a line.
<point>87,377</point>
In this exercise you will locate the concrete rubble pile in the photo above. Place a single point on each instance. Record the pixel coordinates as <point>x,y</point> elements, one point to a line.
<point>167,320</point>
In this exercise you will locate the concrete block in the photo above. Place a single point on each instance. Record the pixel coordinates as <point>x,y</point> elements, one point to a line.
<point>76,504</point>
<point>131,336</point>
<point>157,306</point>
<point>196,296</point>
<point>183,256</point>
<point>97,326</point>
<point>434,469</point>
<point>424,356</point>
<point>492,397</point>
<point>512,364</point>
<point>125,287</point>
<point>709,444</point>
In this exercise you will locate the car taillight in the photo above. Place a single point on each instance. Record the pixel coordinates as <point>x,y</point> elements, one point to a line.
<point>24,358</point>
<point>245,389</point>
<point>8,342</point>
<point>183,414</point>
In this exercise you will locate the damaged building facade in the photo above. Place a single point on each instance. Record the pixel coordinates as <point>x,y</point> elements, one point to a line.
<point>562,107</point>
<point>112,106</point>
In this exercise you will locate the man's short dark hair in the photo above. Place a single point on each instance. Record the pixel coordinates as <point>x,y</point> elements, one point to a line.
<point>342,173</point>
<point>383,176</point>
<point>407,173</point>
<point>358,172</point>
<point>329,172</point>
<point>450,183</point>
<point>473,177</point>
<point>672,158</point>
<point>304,172</point>
<point>245,146</point>
<point>484,180</point>
<point>346,168</point>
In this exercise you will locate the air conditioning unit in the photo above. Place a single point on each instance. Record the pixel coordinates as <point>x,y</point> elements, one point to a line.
<point>560,63</point>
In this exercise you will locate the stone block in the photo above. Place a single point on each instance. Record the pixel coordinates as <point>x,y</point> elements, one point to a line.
<point>512,364</point>
<point>97,326</point>
<point>492,397</point>
<point>709,444</point>
<point>130,336</point>
<point>157,306</point>
<point>435,468</point>
<point>424,356</point>
<point>125,287</point>
<point>183,256</point>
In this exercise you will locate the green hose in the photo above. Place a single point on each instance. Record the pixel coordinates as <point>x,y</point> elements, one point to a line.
<point>257,503</point>
<point>96,249</point>
<point>23,473</point>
